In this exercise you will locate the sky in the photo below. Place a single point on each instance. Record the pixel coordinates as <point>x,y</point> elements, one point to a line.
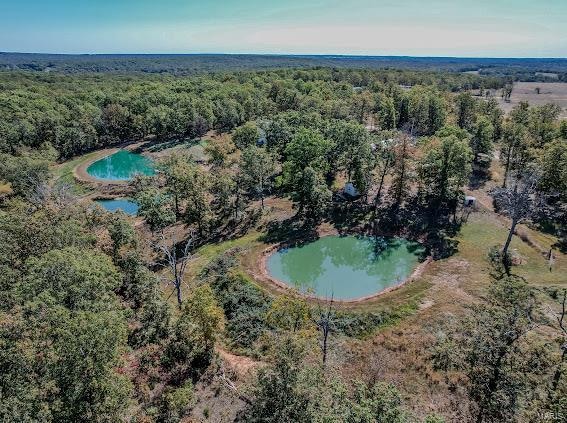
<point>461,28</point>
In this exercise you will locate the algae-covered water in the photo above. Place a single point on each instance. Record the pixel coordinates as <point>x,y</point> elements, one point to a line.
<point>345,267</point>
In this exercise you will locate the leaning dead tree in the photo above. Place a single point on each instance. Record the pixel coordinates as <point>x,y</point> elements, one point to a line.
<point>325,323</point>
<point>518,202</point>
<point>176,257</point>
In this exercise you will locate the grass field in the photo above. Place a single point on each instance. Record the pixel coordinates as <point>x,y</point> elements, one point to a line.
<point>63,173</point>
<point>550,92</point>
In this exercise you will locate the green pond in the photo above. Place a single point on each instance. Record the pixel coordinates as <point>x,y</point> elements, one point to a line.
<point>345,267</point>
<point>122,204</point>
<point>121,166</point>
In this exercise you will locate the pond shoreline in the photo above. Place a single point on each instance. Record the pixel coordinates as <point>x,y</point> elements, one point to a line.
<point>264,277</point>
<point>81,174</point>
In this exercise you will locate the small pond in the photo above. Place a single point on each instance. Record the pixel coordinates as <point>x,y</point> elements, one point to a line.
<point>121,166</point>
<point>346,267</point>
<point>127,206</point>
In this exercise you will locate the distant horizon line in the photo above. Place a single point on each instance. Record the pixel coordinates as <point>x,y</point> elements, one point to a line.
<point>322,55</point>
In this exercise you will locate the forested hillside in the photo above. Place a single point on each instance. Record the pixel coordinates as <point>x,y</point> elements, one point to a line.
<point>170,315</point>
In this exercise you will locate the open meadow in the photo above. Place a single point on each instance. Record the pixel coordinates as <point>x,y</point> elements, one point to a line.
<point>549,92</point>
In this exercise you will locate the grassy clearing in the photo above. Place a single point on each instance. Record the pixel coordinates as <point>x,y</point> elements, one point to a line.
<point>163,149</point>
<point>484,230</point>
<point>399,351</point>
<point>550,92</point>
<point>63,173</point>
<point>209,252</point>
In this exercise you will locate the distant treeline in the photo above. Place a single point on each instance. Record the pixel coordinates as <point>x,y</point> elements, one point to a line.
<point>519,69</point>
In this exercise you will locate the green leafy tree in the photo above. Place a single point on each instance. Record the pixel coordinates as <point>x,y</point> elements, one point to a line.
<point>492,111</point>
<point>161,119</point>
<point>115,122</point>
<point>278,134</point>
<point>444,169</point>
<point>542,123</point>
<point>121,233</point>
<point>280,393</point>
<point>229,195</point>
<point>494,352</point>
<point>378,403</point>
<point>402,171</point>
<point>289,313</point>
<point>61,349</point>
<point>195,332</point>
<point>351,150</point>
<point>311,195</point>
<point>176,170</point>
<point>426,111</point>
<point>74,278</point>
<point>197,198</point>
<point>514,149</point>
<point>451,130</point>
<point>553,165</point>
<point>156,208</point>
<point>246,136</point>
<point>465,110</point>
<point>563,129</point>
<point>520,114</point>
<point>384,159</point>
<point>25,173</point>
<point>175,403</point>
<point>257,168</point>
<point>291,390</point>
<point>482,136</point>
<point>219,151</point>
<point>307,149</point>
<point>386,111</point>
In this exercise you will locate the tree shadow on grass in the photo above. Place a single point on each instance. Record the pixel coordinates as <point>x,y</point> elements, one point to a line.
<point>349,215</point>
<point>435,228</point>
<point>155,146</point>
<point>291,232</point>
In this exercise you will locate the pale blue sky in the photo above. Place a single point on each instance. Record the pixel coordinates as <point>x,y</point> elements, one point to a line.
<point>492,28</point>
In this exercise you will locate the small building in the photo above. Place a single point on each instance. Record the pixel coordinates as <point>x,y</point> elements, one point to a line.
<point>469,201</point>
<point>351,190</point>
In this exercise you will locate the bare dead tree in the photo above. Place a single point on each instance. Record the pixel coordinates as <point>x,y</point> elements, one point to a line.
<point>42,192</point>
<point>325,323</point>
<point>518,203</point>
<point>562,325</point>
<point>176,260</point>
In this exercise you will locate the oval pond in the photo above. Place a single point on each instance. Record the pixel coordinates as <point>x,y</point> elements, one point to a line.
<point>121,166</point>
<point>346,267</point>
<point>122,204</point>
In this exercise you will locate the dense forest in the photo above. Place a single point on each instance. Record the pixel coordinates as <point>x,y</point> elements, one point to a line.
<point>77,114</point>
<point>108,318</point>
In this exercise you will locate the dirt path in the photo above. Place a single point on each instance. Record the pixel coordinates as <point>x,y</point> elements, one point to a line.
<point>241,365</point>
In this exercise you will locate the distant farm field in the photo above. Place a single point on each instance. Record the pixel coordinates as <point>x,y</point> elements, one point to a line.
<point>550,92</point>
